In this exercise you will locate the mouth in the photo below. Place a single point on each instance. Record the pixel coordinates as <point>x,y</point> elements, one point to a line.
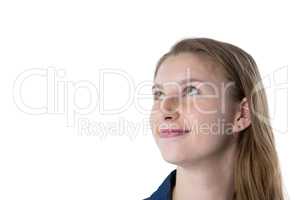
<point>168,133</point>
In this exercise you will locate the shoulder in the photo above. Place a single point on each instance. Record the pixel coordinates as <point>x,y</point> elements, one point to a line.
<point>164,191</point>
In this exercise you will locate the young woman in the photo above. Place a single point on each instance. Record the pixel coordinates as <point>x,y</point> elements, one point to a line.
<point>210,119</point>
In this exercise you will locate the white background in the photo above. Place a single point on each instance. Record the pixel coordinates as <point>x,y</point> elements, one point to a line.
<point>44,157</point>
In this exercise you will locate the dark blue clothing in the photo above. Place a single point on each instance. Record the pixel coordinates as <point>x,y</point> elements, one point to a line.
<point>164,191</point>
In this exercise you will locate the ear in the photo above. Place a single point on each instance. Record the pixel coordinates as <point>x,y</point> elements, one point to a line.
<point>242,118</point>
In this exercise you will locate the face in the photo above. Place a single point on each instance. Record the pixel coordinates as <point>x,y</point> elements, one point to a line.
<point>192,113</point>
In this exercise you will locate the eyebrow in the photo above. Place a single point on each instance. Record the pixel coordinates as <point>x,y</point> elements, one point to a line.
<point>181,82</point>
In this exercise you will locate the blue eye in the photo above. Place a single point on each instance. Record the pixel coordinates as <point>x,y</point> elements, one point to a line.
<point>157,95</point>
<point>191,90</point>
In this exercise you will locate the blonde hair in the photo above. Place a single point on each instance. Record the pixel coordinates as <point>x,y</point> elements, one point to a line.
<point>256,170</point>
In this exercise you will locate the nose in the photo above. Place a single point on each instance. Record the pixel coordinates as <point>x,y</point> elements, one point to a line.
<point>169,108</point>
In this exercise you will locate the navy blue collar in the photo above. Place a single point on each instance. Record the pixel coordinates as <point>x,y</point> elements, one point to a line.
<point>164,191</point>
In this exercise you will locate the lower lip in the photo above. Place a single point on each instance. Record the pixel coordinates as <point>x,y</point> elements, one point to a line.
<point>165,133</point>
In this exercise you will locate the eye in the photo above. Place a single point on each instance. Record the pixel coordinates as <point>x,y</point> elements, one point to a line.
<point>190,91</point>
<point>157,95</point>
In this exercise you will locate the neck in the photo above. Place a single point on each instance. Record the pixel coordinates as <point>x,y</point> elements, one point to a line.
<point>210,179</point>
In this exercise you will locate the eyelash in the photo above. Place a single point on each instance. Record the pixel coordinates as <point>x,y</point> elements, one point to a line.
<point>184,90</point>
<point>193,87</point>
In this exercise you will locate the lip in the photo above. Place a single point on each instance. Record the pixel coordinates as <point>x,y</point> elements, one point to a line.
<point>169,133</point>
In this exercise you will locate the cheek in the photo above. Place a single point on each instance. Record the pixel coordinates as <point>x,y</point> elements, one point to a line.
<point>209,130</point>
<point>154,118</point>
<point>208,146</point>
<point>201,113</point>
<point>208,116</point>
<point>201,105</point>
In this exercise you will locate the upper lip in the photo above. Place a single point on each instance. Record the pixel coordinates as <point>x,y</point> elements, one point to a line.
<point>166,130</point>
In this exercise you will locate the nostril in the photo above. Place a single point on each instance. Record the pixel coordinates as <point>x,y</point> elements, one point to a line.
<point>168,117</point>
<point>172,116</point>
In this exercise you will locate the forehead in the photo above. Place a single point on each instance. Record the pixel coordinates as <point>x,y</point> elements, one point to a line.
<point>188,66</point>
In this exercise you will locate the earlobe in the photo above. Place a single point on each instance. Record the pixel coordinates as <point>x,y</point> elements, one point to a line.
<point>242,118</point>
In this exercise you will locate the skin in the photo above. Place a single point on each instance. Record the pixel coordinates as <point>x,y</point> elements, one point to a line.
<point>204,157</point>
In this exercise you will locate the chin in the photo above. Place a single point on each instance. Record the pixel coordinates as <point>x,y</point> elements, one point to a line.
<point>175,161</point>
<point>185,159</point>
<point>182,162</point>
<point>176,157</point>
